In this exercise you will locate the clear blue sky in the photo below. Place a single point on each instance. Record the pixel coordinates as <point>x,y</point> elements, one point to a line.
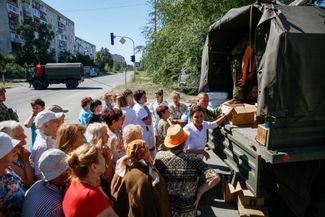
<point>95,19</point>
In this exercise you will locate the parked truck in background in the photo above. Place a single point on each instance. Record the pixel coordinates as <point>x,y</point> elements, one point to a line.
<point>71,74</point>
<point>289,46</point>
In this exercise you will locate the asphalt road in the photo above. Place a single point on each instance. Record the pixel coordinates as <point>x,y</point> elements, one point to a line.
<point>19,98</point>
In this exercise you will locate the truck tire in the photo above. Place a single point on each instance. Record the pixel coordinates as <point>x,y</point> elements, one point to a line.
<point>38,84</point>
<point>46,85</point>
<point>71,84</point>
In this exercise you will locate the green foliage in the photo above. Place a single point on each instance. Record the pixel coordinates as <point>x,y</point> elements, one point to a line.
<point>66,57</point>
<point>35,49</point>
<point>8,65</point>
<point>85,60</point>
<point>102,58</point>
<point>107,68</point>
<point>118,66</point>
<point>181,28</point>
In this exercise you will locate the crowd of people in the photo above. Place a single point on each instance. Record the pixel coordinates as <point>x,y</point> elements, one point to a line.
<point>120,158</point>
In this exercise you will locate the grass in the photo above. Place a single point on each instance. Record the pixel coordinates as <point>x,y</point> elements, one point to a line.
<point>141,80</point>
<point>8,84</point>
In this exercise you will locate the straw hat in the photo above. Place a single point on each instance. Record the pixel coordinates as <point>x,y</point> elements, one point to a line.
<point>175,136</point>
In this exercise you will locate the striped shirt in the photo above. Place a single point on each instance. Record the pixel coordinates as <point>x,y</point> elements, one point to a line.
<point>43,199</point>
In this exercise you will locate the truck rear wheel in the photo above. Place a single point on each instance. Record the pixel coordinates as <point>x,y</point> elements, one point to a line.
<point>38,84</point>
<point>71,84</point>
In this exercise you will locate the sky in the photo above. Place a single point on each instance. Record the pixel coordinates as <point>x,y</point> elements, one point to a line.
<point>94,20</point>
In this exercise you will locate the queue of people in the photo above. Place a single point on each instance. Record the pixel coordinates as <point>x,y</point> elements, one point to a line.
<point>122,159</point>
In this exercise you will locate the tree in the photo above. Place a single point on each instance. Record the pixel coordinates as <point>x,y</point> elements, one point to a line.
<point>26,55</point>
<point>176,33</point>
<point>103,57</point>
<point>42,44</point>
<point>84,59</point>
<point>35,49</point>
<point>8,65</point>
<point>66,57</point>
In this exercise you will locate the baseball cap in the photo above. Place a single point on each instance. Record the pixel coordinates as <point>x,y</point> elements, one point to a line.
<point>52,164</point>
<point>46,116</point>
<point>6,144</point>
<point>160,92</point>
<point>57,109</point>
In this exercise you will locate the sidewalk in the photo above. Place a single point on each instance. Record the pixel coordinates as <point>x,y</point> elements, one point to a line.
<point>212,203</point>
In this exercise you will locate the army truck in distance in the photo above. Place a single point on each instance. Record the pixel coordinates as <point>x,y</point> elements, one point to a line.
<point>71,74</point>
<point>289,47</point>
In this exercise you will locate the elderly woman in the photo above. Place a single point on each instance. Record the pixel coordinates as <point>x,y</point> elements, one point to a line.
<point>22,165</point>
<point>181,172</point>
<point>83,196</point>
<point>11,186</point>
<point>178,110</point>
<point>69,137</point>
<point>97,135</point>
<point>137,187</point>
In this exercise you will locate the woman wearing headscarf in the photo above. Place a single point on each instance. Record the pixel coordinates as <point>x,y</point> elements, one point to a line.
<point>137,187</point>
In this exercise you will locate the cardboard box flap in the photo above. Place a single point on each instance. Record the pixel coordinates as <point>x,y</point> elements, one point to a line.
<point>247,193</point>
<point>233,189</point>
<point>245,108</point>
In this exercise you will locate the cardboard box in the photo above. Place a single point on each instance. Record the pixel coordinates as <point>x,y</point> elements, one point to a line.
<point>242,114</point>
<point>262,134</point>
<point>247,198</point>
<point>231,192</point>
<point>250,211</point>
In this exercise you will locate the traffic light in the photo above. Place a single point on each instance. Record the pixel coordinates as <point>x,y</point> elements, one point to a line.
<point>112,38</point>
<point>133,58</point>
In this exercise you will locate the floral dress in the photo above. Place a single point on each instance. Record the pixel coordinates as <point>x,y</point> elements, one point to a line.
<point>11,194</point>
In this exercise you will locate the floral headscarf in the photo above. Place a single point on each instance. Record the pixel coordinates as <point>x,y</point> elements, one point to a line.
<point>136,151</point>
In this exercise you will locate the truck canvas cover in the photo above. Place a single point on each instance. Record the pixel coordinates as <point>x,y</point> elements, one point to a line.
<point>289,45</point>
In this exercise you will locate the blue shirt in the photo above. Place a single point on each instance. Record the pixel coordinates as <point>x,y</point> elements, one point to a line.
<point>84,116</point>
<point>43,199</point>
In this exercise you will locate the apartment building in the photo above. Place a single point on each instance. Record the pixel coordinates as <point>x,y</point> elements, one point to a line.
<point>12,14</point>
<point>84,47</point>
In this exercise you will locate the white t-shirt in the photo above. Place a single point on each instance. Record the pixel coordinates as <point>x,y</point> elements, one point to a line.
<point>153,108</point>
<point>198,138</point>
<point>41,144</point>
<point>147,130</point>
<point>130,116</point>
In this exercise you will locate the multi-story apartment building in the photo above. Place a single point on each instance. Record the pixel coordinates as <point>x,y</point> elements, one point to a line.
<point>85,48</point>
<point>12,14</point>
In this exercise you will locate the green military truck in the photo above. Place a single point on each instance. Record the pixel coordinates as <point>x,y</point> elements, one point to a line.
<point>289,47</point>
<point>71,74</point>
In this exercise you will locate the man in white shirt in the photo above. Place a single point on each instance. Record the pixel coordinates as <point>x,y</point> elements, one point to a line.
<point>144,118</point>
<point>153,108</point>
<point>47,123</point>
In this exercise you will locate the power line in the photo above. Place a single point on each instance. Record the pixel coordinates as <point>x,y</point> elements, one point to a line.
<point>102,9</point>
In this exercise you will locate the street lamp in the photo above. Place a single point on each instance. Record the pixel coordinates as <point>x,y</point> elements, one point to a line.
<point>122,40</point>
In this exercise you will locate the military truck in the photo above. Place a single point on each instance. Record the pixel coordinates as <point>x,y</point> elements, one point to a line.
<point>71,74</point>
<point>289,45</point>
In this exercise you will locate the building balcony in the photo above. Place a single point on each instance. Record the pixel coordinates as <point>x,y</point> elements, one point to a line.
<point>62,44</point>
<point>43,9</point>
<point>36,13</point>
<point>15,37</point>
<point>13,9</point>
<point>27,13</point>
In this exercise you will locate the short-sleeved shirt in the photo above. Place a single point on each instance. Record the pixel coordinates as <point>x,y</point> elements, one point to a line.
<point>162,127</point>
<point>147,130</point>
<point>153,108</point>
<point>42,143</point>
<point>94,118</point>
<point>84,116</point>
<point>181,173</point>
<point>130,116</point>
<point>83,200</point>
<point>198,138</point>
<point>11,194</point>
<point>180,113</point>
<point>43,199</point>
